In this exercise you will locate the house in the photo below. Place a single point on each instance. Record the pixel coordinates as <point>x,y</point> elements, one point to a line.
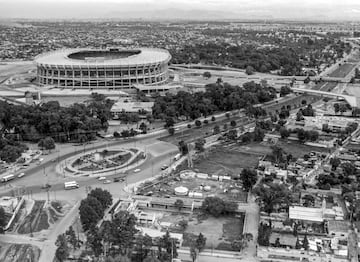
<point>338,228</point>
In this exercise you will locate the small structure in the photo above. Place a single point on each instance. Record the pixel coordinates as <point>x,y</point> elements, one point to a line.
<point>181,191</point>
<point>338,228</point>
<point>9,204</point>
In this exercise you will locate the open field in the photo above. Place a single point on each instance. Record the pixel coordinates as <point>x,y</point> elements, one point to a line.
<point>343,70</point>
<point>219,232</point>
<point>292,147</point>
<point>19,253</point>
<point>226,160</point>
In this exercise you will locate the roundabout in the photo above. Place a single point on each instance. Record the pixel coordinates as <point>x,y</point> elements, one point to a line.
<point>105,162</point>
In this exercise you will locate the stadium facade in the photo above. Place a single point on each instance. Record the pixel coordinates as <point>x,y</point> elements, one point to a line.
<point>105,68</point>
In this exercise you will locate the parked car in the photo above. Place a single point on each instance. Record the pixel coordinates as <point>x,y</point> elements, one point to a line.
<point>107,181</point>
<point>101,178</point>
<point>137,170</point>
<point>21,175</point>
<point>119,179</point>
<point>164,167</point>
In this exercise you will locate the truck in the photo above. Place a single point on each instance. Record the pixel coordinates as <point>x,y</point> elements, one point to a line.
<point>71,185</point>
<point>7,178</point>
<point>177,156</point>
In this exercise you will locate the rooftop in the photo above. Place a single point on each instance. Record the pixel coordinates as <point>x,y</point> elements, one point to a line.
<point>103,57</point>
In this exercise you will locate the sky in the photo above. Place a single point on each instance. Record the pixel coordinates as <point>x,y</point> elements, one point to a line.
<point>182,9</point>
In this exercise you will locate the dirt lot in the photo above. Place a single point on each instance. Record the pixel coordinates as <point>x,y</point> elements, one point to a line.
<point>219,232</point>
<point>19,253</point>
<point>343,70</point>
<point>40,217</point>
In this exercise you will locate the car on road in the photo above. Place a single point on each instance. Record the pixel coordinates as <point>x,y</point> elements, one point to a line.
<point>21,175</point>
<point>164,167</point>
<point>46,186</point>
<point>101,178</point>
<point>119,179</point>
<point>107,181</point>
<point>137,170</point>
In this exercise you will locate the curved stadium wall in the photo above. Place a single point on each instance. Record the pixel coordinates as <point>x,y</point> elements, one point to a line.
<point>107,68</point>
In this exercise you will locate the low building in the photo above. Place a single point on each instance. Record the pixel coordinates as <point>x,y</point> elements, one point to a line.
<point>338,228</point>
<point>156,234</point>
<point>131,107</point>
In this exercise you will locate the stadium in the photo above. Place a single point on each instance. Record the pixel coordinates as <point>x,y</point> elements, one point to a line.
<point>103,68</point>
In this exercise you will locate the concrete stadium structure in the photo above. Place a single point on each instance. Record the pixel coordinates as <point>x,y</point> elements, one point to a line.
<point>105,68</point>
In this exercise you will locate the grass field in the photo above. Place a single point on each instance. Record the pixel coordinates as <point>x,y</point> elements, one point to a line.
<point>343,70</point>
<point>226,160</point>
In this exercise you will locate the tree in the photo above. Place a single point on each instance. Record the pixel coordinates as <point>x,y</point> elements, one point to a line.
<point>183,148</point>
<point>47,143</point>
<point>143,128</point>
<point>305,243</point>
<point>3,221</point>
<point>284,133</point>
<point>216,130</point>
<point>232,134</point>
<point>336,108</point>
<point>103,196</point>
<point>285,90</point>
<point>206,74</point>
<point>62,251</point>
<point>271,196</point>
<point>71,237</point>
<point>167,244</point>
<point>206,121</point>
<point>94,241</point>
<point>198,123</point>
<point>199,145</point>
<point>169,121</point>
<point>307,80</point>
<point>249,178</point>
<point>193,253</point>
<point>179,204</point>
<point>213,118</point>
<point>227,115</point>
<point>125,133</point>
<point>259,134</point>
<point>298,244</point>
<point>200,242</point>
<point>91,211</point>
<point>335,162</point>
<point>249,70</point>
<point>171,131</point>
<point>233,123</point>
<point>123,230</point>
<point>116,134</point>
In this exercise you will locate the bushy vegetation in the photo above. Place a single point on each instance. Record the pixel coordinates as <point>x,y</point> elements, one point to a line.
<point>78,122</point>
<point>217,97</point>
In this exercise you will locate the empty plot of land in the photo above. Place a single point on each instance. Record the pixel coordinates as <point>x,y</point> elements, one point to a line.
<point>227,160</point>
<point>343,70</point>
<point>219,232</point>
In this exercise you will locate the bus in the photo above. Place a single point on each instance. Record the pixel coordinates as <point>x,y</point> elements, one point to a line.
<point>7,178</point>
<point>71,185</point>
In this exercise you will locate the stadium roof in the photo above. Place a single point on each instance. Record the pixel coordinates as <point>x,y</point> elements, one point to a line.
<point>145,56</point>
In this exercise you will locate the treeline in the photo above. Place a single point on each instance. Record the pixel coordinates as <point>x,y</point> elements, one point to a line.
<point>78,122</point>
<point>261,59</point>
<point>217,97</point>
